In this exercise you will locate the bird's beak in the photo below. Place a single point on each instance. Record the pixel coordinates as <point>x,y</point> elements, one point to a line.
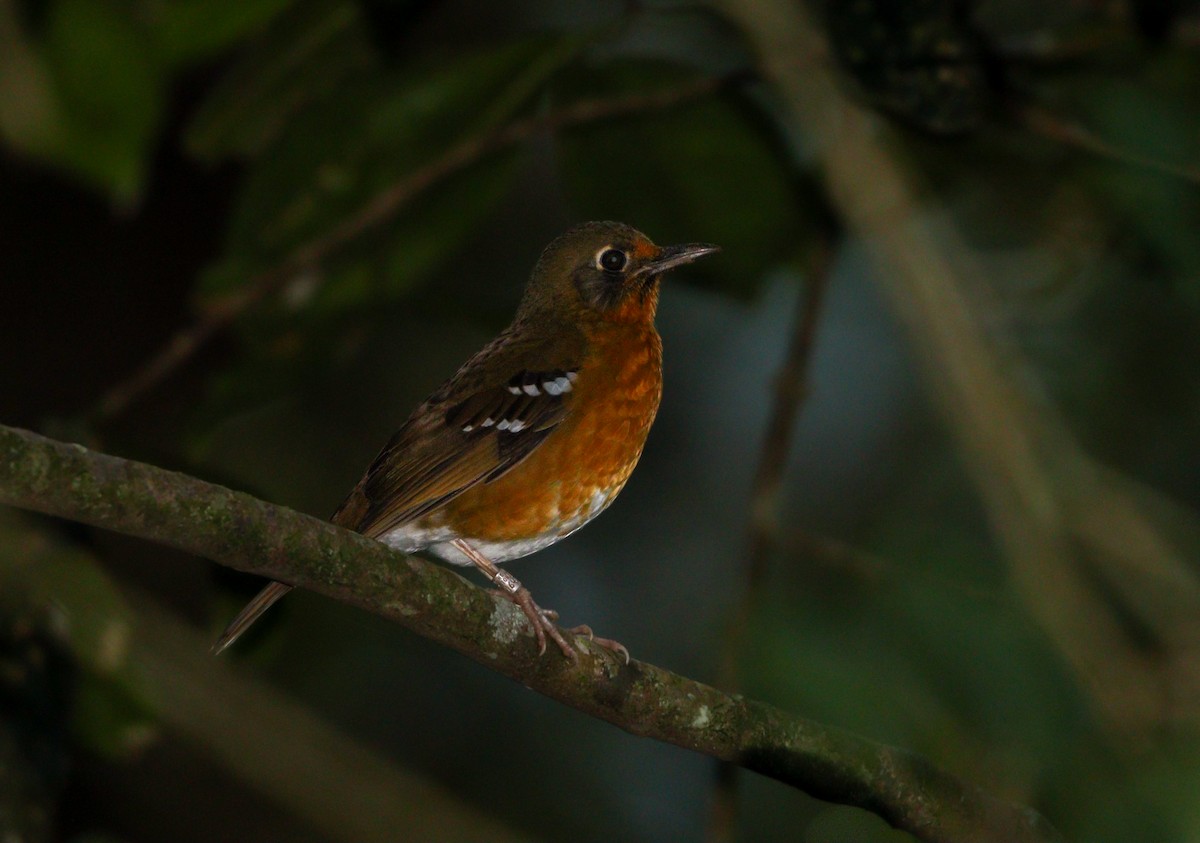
<point>670,257</point>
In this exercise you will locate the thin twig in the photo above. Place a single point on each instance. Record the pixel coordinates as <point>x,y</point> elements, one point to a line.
<point>1043,122</point>
<point>216,318</point>
<point>251,535</point>
<point>791,388</point>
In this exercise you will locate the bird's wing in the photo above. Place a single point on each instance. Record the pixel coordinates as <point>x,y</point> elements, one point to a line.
<point>478,426</point>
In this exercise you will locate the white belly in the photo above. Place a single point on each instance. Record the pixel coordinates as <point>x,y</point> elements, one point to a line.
<point>437,539</point>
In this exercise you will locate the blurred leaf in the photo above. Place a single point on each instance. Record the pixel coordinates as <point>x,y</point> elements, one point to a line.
<point>93,617</point>
<point>301,57</point>
<point>108,720</point>
<point>329,163</point>
<point>708,170</point>
<point>29,117</point>
<point>37,683</point>
<point>1156,116</point>
<point>109,87</point>
<point>186,30</point>
<point>340,153</point>
<point>109,706</point>
<point>89,96</point>
<point>69,577</point>
<point>323,320</point>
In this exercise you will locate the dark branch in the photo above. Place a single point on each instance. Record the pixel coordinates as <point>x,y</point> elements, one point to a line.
<point>243,532</point>
<point>1042,121</point>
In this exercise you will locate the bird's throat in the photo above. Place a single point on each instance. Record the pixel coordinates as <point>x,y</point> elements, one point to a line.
<point>637,308</point>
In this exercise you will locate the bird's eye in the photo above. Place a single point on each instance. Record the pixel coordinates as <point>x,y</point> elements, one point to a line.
<point>611,260</point>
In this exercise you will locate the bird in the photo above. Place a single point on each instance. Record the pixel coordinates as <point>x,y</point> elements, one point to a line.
<point>535,434</point>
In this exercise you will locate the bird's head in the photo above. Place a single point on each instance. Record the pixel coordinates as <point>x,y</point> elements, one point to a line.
<point>607,270</point>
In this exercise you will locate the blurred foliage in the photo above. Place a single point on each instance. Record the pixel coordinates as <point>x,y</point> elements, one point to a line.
<point>753,210</point>
<point>109,709</point>
<point>36,678</point>
<point>108,64</point>
<point>298,117</point>
<point>330,156</point>
<point>921,60</point>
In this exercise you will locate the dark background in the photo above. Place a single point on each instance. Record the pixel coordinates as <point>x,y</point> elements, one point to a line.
<point>158,159</point>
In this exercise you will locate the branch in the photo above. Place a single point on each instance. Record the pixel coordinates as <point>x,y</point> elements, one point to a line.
<point>188,341</point>
<point>251,535</point>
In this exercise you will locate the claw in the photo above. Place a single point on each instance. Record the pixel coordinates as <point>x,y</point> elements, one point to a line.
<point>607,643</point>
<point>543,624</point>
<point>542,620</point>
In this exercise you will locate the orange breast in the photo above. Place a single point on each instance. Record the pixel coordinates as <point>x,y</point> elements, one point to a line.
<point>573,475</point>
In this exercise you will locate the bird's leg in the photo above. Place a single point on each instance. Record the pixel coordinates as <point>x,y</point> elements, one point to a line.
<point>508,585</point>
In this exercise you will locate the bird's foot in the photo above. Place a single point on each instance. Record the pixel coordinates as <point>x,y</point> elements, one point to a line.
<point>607,643</point>
<point>542,621</point>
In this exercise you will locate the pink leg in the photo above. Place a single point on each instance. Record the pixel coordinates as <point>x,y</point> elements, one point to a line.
<point>541,619</point>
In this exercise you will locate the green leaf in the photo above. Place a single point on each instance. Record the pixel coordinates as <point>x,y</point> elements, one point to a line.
<point>109,720</point>
<point>373,133</point>
<point>322,320</point>
<point>341,153</point>
<point>1154,117</point>
<point>113,699</point>
<point>95,614</point>
<point>188,30</point>
<point>705,170</point>
<point>302,57</point>
<point>110,93</point>
<point>29,117</point>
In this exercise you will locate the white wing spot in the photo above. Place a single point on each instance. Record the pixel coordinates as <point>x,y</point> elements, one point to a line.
<point>467,428</point>
<point>488,422</point>
<point>531,389</point>
<point>571,376</point>
<point>515,390</point>
<point>552,388</point>
<point>516,425</point>
<point>503,425</point>
<point>564,383</point>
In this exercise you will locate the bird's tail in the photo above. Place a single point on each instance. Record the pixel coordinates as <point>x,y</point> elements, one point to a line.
<point>254,609</point>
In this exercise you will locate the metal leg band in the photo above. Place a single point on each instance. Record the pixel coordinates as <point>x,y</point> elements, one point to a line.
<point>507,582</point>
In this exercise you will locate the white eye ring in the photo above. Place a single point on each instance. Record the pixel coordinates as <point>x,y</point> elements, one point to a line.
<point>611,250</point>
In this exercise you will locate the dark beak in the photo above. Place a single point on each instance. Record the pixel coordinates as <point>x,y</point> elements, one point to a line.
<point>673,256</point>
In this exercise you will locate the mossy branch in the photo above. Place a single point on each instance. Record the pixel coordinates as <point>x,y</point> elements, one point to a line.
<point>248,534</point>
